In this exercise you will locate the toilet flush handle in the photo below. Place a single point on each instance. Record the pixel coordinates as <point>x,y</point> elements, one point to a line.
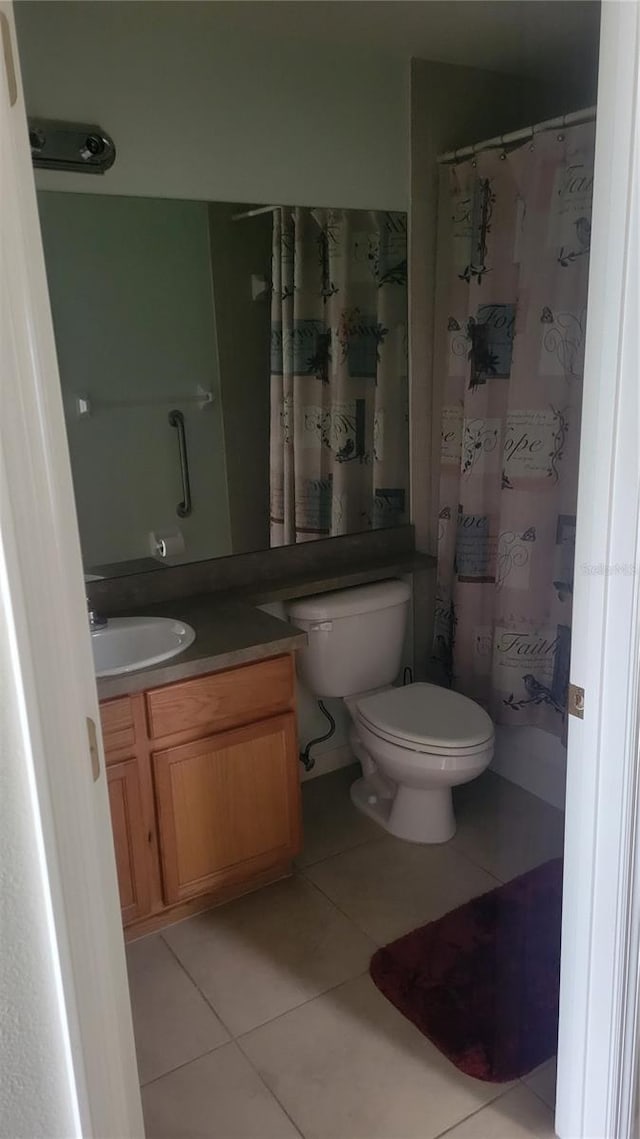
<point>321,627</point>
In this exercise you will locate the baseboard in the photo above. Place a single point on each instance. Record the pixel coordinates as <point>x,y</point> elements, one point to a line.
<point>330,760</point>
<point>534,760</point>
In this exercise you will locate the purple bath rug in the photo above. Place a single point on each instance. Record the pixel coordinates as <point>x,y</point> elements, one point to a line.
<point>482,982</point>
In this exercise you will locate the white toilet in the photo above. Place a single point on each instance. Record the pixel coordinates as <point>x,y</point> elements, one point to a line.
<point>414,742</point>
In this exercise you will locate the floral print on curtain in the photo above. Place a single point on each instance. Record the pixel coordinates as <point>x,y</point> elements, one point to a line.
<point>513,266</point>
<point>339,391</point>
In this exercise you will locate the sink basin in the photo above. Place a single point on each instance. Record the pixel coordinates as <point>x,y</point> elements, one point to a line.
<point>128,643</point>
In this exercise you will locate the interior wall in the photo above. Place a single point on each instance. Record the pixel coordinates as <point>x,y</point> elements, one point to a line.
<point>533,759</point>
<point>131,295</point>
<point>239,250</point>
<point>200,109</point>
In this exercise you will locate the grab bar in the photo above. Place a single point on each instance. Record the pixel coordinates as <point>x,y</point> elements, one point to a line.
<point>176,419</point>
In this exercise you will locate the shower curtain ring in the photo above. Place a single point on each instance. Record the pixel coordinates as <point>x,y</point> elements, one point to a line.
<point>504,153</point>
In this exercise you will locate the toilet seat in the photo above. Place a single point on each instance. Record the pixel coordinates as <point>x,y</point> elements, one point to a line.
<point>426,718</point>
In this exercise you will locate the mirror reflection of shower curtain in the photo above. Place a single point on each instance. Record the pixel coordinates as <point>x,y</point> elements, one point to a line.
<point>514,235</point>
<point>339,390</point>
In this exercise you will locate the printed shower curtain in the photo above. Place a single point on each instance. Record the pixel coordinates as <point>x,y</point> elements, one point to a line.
<point>513,265</point>
<point>339,402</point>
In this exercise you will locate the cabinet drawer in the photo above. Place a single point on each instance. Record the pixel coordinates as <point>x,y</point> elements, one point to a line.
<point>118,730</point>
<point>222,700</point>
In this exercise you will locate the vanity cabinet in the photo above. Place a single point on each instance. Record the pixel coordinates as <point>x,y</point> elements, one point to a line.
<point>204,790</point>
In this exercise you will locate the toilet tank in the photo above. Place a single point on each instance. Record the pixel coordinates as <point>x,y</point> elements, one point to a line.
<point>355,637</point>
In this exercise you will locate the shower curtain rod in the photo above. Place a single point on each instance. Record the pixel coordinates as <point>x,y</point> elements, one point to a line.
<point>584,116</point>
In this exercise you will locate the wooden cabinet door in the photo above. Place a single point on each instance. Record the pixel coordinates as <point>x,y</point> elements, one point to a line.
<point>228,806</point>
<point>129,839</point>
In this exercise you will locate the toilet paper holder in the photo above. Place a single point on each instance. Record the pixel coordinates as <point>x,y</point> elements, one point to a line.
<point>166,544</point>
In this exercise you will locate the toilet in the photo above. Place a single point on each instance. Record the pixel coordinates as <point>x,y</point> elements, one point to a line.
<point>414,742</point>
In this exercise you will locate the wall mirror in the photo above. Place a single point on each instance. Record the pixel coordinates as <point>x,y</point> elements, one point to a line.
<point>234,377</point>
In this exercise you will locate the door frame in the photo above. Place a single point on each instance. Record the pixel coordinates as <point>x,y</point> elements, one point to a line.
<point>601,911</point>
<point>42,595</point>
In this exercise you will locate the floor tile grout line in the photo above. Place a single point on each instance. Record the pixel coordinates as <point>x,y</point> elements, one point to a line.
<point>223,1044</point>
<point>472,1114</point>
<point>475,862</point>
<point>470,859</point>
<point>269,1090</point>
<point>343,850</point>
<point>337,853</point>
<point>551,1108</point>
<point>303,1004</point>
<point>185,1063</point>
<point>541,1099</point>
<point>270,1020</point>
<point>209,1052</point>
<point>233,1039</point>
<point>199,990</point>
<point>440,1135</point>
<point>478,865</point>
<point>471,862</point>
<point>342,912</point>
<point>385,836</point>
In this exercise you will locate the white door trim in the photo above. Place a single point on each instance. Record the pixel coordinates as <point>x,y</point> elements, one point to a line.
<point>41,589</point>
<point>598,1002</point>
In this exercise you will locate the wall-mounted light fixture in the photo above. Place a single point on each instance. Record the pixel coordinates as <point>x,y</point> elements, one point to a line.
<point>79,147</point>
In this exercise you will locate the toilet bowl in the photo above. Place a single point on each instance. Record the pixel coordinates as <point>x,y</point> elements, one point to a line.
<point>415,742</point>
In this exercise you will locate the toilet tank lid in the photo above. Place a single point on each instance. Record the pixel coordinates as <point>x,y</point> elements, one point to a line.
<point>350,602</point>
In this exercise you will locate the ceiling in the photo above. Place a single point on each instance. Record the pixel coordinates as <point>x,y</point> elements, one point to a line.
<point>555,39</point>
<point>532,37</point>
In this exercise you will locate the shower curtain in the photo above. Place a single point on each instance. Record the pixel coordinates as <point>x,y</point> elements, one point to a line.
<point>339,392</point>
<point>513,259</point>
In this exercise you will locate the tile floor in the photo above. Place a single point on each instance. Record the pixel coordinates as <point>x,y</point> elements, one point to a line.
<point>258,1020</point>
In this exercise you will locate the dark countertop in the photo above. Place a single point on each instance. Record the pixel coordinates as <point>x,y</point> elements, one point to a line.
<point>228,633</point>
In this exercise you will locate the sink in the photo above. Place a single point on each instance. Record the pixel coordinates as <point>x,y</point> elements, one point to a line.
<point>125,644</point>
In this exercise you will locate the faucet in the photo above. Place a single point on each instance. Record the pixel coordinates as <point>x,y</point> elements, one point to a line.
<point>96,620</point>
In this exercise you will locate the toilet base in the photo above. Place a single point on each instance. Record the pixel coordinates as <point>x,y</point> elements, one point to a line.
<point>416,815</point>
